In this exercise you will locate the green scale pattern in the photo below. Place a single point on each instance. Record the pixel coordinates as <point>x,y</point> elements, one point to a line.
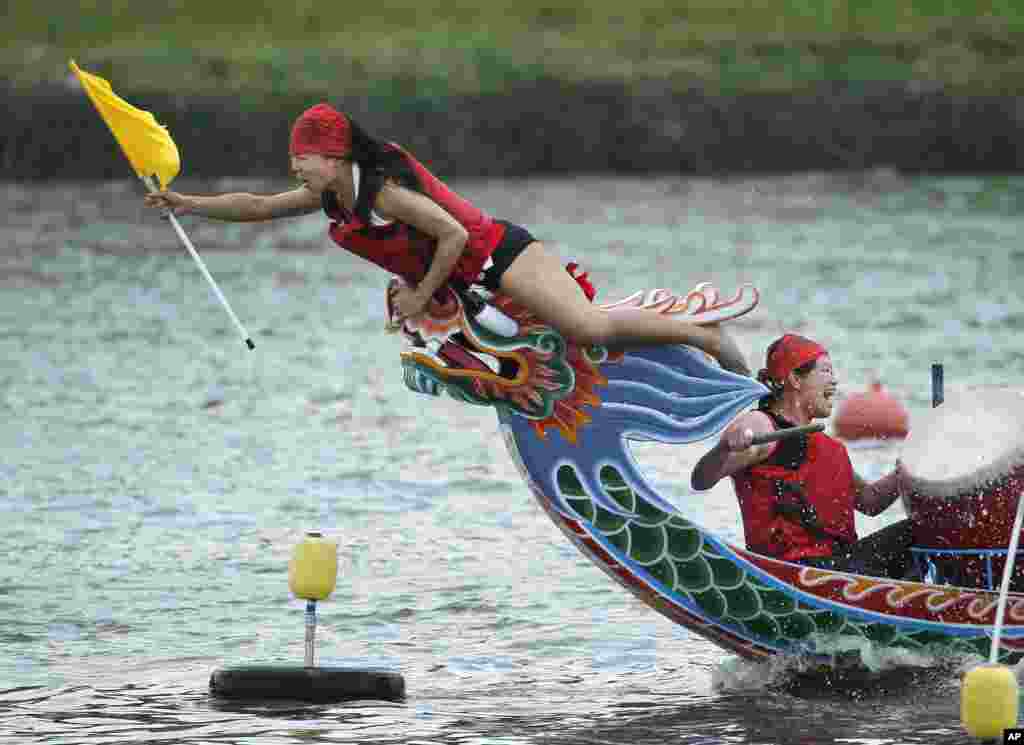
<point>694,572</point>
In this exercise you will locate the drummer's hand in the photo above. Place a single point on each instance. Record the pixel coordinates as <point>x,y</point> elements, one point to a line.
<point>169,201</point>
<point>407,303</point>
<point>738,439</point>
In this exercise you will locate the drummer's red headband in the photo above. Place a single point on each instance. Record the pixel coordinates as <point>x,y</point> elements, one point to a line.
<point>321,130</point>
<point>791,352</point>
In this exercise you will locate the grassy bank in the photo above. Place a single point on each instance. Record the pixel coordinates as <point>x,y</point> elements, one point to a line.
<point>435,48</point>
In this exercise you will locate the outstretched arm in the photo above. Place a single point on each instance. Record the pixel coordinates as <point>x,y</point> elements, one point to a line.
<point>734,451</point>
<point>238,207</point>
<point>874,498</point>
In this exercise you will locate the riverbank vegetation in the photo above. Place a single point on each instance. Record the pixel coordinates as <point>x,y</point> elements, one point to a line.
<point>432,49</point>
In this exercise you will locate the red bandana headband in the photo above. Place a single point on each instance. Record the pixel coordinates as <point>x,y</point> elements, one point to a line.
<point>321,130</point>
<point>791,352</point>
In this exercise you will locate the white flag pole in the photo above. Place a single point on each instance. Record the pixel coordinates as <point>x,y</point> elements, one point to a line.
<point>151,185</point>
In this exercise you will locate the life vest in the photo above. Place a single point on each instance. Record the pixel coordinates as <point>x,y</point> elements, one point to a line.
<point>798,503</point>
<point>400,248</point>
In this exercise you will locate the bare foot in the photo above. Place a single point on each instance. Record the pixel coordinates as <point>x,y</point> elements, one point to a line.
<point>727,352</point>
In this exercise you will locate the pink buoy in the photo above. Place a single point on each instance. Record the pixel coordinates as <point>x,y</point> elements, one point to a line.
<point>872,415</point>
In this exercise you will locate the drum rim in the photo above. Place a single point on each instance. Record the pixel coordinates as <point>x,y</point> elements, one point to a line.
<point>968,484</point>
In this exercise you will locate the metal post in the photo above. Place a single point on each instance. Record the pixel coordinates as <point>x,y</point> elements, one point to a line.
<point>310,630</point>
<point>938,393</point>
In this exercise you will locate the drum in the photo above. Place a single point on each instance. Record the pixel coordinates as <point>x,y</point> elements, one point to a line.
<point>963,476</point>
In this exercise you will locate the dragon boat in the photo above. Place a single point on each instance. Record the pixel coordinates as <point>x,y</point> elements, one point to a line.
<point>567,414</point>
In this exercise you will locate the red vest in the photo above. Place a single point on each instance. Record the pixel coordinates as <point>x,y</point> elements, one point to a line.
<point>402,249</point>
<point>769,493</point>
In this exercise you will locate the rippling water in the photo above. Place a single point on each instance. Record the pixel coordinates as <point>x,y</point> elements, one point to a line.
<point>156,475</point>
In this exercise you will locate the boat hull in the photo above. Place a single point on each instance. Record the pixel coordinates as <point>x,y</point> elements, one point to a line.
<point>568,414</point>
<point>756,606</point>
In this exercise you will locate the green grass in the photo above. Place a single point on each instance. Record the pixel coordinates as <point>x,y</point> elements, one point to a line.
<point>434,48</point>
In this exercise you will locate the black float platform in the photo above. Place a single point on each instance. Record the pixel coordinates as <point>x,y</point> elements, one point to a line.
<point>317,684</point>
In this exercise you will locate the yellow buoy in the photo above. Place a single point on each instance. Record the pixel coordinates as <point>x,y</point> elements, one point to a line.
<point>312,573</point>
<point>313,570</point>
<point>988,701</point>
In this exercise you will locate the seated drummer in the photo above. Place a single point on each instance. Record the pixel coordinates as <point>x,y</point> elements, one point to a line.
<point>797,495</point>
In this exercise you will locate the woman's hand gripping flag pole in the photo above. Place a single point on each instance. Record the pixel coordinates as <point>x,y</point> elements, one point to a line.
<point>152,154</point>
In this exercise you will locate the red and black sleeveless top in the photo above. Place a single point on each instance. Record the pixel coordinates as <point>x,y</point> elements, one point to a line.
<point>798,503</point>
<point>400,248</point>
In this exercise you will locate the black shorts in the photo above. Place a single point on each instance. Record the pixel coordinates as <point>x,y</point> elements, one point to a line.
<point>512,244</point>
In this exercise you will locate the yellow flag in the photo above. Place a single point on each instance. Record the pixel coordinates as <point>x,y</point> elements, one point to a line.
<point>148,145</point>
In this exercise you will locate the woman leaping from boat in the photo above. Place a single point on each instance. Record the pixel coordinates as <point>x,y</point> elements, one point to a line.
<point>388,208</point>
<point>797,495</point>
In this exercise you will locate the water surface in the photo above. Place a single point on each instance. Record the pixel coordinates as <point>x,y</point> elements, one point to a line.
<point>155,475</point>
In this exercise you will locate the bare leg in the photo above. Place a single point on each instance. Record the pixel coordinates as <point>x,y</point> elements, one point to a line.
<point>538,281</point>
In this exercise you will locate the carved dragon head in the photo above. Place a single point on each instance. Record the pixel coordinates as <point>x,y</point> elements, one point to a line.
<point>507,358</point>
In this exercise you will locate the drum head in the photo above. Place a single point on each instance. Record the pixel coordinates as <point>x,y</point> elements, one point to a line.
<point>964,470</point>
<point>973,436</point>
